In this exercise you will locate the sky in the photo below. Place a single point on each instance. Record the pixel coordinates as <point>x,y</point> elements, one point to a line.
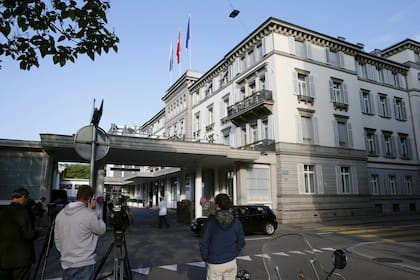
<point>132,82</point>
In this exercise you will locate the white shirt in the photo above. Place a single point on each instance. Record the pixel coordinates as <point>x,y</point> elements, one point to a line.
<point>162,208</point>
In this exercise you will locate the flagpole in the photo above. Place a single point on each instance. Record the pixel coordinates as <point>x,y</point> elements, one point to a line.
<point>189,38</point>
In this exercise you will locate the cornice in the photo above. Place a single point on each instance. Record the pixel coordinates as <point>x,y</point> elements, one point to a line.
<point>401,46</point>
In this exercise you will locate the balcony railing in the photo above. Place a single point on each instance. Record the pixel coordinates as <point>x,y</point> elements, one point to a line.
<point>261,145</point>
<point>257,104</point>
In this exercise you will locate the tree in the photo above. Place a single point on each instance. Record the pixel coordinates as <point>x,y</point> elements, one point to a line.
<point>79,171</point>
<point>60,29</point>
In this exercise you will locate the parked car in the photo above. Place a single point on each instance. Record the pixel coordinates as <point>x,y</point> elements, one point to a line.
<point>254,219</point>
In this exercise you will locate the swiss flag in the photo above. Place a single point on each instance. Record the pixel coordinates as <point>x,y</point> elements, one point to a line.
<point>178,48</point>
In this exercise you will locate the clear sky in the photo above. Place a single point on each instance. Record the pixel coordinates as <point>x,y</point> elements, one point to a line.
<point>51,99</point>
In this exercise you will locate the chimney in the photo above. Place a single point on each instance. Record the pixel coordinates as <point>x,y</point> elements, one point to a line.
<point>341,38</point>
<point>361,45</point>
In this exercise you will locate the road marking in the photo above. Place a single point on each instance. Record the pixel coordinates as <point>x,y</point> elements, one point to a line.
<point>392,233</point>
<point>263,256</point>
<point>257,238</point>
<point>328,249</point>
<point>198,264</point>
<point>297,252</point>
<point>281,254</point>
<point>172,267</point>
<point>144,270</point>
<point>245,258</point>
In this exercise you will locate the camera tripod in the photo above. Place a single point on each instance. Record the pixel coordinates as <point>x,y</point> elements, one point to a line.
<point>121,263</point>
<point>45,249</point>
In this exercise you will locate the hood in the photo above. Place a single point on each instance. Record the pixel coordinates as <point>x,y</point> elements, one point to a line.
<point>73,207</point>
<point>224,218</point>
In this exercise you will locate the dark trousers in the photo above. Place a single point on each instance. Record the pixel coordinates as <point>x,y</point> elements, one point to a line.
<point>19,273</point>
<point>162,218</point>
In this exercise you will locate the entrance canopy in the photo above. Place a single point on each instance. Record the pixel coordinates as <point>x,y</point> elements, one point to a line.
<point>151,152</point>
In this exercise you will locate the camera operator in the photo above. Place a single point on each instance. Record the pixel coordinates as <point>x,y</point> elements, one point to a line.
<point>16,238</point>
<point>76,233</point>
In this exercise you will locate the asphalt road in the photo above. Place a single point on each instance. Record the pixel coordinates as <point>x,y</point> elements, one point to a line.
<point>173,253</point>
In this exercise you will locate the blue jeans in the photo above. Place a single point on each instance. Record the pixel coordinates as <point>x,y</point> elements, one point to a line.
<point>80,273</point>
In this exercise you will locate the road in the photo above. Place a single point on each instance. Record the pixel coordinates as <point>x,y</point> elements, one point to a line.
<point>386,250</point>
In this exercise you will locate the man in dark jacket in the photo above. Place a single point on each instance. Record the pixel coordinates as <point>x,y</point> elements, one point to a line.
<point>222,241</point>
<point>16,238</point>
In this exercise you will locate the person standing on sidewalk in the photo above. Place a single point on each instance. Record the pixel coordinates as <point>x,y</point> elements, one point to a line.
<point>76,233</point>
<point>222,241</point>
<point>17,236</point>
<point>163,212</point>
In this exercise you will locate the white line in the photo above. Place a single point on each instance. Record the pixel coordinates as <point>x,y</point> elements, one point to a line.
<point>257,238</point>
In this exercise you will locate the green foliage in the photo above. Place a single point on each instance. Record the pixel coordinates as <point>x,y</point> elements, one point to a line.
<point>77,171</point>
<point>55,28</point>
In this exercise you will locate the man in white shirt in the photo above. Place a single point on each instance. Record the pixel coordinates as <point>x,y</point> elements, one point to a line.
<point>163,212</point>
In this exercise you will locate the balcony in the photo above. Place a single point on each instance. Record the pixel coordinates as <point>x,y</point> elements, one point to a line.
<point>261,145</point>
<point>255,106</point>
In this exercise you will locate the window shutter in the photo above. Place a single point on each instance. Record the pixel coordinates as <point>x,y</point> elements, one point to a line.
<point>371,104</point>
<point>328,55</point>
<point>311,86</point>
<point>332,97</point>
<point>341,59</point>
<point>308,48</point>
<point>301,184</point>
<point>362,106</point>
<point>383,144</point>
<point>345,94</point>
<point>337,141</point>
<point>295,83</point>
<point>339,187</point>
<point>319,179</point>
<point>264,51</point>
<point>299,129</point>
<point>393,146</point>
<point>349,135</point>
<point>377,148</point>
<point>404,112</point>
<point>366,142</point>
<point>388,107</point>
<point>292,46</point>
<point>354,182</point>
<point>380,108</point>
<point>316,132</point>
<point>409,148</point>
<point>395,109</point>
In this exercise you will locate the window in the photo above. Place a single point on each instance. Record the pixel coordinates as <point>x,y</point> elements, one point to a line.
<point>258,184</point>
<point>243,63</point>
<point>408,185</point>
<point>300,48</point>
<point>309,178</point>
<point>399,109</point>
<point>332,57</point>
<point>361,70</point>
<point>374,182</point>
<point>210,114</point>
<point>392,185</point>
<point>338,94</point>
<point>264,131</point>
<point>417,57</point>
<point>404,146</point>
<point>366,102</point>
<point>384,106</point>
<point>251,58</point>
<point>303,86</point>
<point>388,145</point>
<point>343,133</point>
<point>196,134</point>
<point>307,130</point>
<point>244,135</point>
<point>259,53</point>
<point>225,105</point>
<point>371,141</point>
<point>345,177</point>
<point>253,132</point>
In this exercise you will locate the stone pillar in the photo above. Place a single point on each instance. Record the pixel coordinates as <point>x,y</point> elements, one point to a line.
<point>198,192</point>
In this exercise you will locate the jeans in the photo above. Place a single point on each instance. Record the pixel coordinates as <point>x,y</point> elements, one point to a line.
<point>80,273</point>
<point>163,219</point>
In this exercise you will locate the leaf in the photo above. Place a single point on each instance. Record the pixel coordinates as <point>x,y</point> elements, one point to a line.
<point>56,59</point>
<point>62,38</point>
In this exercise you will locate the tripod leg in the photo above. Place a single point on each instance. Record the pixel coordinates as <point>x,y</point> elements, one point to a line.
<point>108,252</point>
<point>45,247</point>
<point>126,261</point>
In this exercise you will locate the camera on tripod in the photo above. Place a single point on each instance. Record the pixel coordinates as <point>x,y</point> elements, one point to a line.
<point>57,202</point>
<point>119,216</point>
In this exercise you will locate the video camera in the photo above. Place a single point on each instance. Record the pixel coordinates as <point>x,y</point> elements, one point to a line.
<point>57,202</point>
<point>119,216</point>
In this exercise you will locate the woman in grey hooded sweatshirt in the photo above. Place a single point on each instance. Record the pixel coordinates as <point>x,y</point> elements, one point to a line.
<point>76,233</point>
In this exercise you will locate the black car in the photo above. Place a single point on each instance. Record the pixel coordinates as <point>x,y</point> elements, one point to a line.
<point>254,219</point>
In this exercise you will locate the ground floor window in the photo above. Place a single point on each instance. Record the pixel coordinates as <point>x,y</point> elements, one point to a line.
<point>259,184</point>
